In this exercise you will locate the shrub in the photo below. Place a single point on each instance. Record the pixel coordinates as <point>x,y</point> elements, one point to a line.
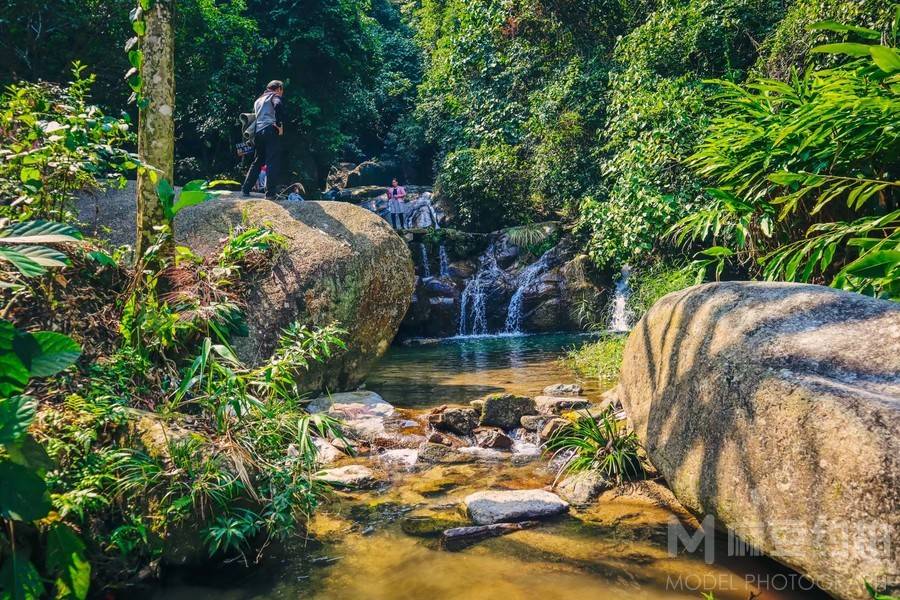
<point>485,185</point>
<point>53,144</point>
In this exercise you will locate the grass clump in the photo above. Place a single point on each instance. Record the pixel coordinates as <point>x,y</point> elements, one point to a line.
<point>599,360</point>
<point>601,444</point>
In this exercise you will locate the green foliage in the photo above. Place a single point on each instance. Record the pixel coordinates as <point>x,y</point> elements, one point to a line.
<point>601,444</point>
<point>21,247</point>
<point>24,496</point>
<point>53,143</point>
<point>485,186</point>
<point>650,284</point>
<point>601,359</point>
<point>875,595</point>
<point>806,174</point>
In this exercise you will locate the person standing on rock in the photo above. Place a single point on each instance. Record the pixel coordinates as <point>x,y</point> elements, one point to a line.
<point>396,195</point>
<point>268,109</point>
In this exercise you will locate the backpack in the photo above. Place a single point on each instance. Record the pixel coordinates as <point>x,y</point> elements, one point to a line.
<point>248,124</point>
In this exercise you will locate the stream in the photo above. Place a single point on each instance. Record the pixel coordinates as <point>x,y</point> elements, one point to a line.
<point>371,545</point>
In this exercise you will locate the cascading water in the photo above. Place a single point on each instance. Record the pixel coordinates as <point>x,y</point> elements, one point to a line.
<point>620,317</point>
<point>473,302</point>
<point>426,268</point>
<point>525,282</point>
<point>445,261</point>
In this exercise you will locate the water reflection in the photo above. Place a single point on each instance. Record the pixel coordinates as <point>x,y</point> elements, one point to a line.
<point>461,369</point>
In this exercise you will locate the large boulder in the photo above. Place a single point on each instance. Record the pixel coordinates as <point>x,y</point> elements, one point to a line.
<point>342,264</point>
<point>775,408</point>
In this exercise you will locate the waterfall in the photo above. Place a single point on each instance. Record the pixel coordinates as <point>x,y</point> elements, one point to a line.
<point>620,317</point>
<point>445,261</point>
<point>525,282</point>
<point>434,219</point>
<point>426,268</point>
<point>473,307</point>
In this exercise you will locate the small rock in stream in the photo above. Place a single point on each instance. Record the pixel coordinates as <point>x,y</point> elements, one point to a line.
<point>583,488</point>
<point>351,476</point>
<point>556,405</point>
<point>505,410</point>
<point>498,506</point>
<point>563,389</point>
<point>454,419</point>
<point>491,437</point>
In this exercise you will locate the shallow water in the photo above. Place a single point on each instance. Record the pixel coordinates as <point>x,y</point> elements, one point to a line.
<point>357,549</point>
<point>461,369</point>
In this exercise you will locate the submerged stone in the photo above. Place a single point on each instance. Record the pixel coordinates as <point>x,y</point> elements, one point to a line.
<point>496,506</point>
<point>351,476</point>
<point>563,389</point>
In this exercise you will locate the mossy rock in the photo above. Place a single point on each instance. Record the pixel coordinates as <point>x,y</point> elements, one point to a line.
<point>342,264</point>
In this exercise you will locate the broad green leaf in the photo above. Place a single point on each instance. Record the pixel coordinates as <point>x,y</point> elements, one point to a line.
<point>189,198</point>
<point>39,232</point>
<point>886,58</point>
<point>30,454</point>
<point>66,559</point>
<point>44,256</point>
<point>874,264</point>
<point>858,50</point>
<point>19,580</point>
<point>22,263</point>
<point>13,372</point>
<point>29,174</point>
<point>718,251</point>
<point>16,414</point>
<point>165,192</point>
<point>56,353</point>
<point>102,258</point>
<point>23,493</point>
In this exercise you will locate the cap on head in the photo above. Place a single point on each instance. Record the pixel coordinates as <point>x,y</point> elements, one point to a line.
<point>275,85</point>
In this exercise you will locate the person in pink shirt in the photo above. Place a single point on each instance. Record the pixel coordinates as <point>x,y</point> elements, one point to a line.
<point>396,195</point>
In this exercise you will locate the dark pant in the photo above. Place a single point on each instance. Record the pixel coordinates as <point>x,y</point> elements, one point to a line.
<point>268,152</point>
<point>398,220</point>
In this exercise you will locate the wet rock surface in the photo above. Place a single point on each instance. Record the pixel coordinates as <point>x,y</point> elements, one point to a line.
<point>583,488</point>
<point>350,476</point>
<point>498,506</point>
<point>552,405</point>
<point>558,390</point>
<point>505,410</point>
<point>458,420</point>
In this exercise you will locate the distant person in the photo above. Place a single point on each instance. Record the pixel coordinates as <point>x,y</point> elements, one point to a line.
<point>396,195</point>
<point>268,109</point>
<point>295,196</point>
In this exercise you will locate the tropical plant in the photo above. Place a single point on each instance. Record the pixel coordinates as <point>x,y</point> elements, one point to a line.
<point>597,443</point>
<point>600,359</point>
<point>806,173</point>
<point>24,497</point>
<point>22,246</point>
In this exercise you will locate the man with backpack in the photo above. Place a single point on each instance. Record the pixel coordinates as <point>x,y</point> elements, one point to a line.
<point>266,130</point>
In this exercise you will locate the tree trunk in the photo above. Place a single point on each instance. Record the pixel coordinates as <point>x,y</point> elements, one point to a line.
<point>156,126</point>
